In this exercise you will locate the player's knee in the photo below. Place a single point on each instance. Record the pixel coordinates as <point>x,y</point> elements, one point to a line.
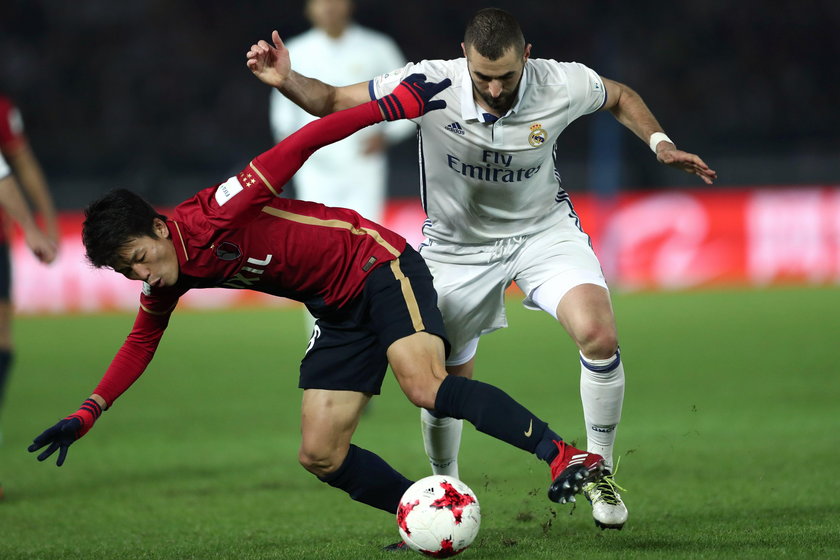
<point>598,342</point>
<point>318,463</point>
<point>421,393</point>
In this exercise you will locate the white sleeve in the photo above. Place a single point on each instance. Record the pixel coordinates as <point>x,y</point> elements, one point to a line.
<point>587,93</point>
<point>4,168</point>
<point>385,83</point>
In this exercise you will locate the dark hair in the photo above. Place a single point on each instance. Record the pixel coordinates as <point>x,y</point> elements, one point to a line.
<point>491,32</point>
<point>113,221</point>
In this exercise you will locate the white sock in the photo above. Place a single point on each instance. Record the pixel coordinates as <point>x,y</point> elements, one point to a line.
<point>441,439</point>
<point>602,394</point>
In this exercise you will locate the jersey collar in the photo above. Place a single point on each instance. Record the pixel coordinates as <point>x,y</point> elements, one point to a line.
<point>471,110</point>
<point>179,242</point>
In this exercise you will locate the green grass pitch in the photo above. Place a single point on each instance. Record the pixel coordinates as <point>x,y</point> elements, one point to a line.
<point>729,440</point>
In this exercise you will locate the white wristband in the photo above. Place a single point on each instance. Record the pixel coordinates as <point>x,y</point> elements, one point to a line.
<point>656,138</point>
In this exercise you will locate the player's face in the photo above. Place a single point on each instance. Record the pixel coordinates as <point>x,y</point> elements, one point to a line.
<point>150,259</point>
<point>332,16</point>
<point>496,82</point>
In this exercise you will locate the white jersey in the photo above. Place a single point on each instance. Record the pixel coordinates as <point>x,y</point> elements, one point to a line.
<point>4,168</point>
<point>341,174</point>
<point>484,179</point>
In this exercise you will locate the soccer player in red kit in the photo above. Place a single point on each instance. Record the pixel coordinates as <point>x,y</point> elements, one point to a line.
<point>18,164</point>
<point>19,173</point>
<point>372,295</point>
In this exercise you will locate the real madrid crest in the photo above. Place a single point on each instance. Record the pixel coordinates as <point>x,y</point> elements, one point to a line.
<point>538,135</point>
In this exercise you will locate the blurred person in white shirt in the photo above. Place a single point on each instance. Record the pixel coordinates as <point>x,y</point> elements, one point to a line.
<point>351,173</point>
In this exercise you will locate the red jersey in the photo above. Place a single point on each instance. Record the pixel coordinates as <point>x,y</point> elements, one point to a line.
<point>11,126</point>
<point>239,235</point>
<point>11,138</point>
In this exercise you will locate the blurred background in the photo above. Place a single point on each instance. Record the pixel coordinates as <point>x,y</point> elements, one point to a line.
<point>154,95</point>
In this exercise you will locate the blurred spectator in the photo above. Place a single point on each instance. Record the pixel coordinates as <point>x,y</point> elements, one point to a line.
<point>19,165</point>
<point>351,173</point>
<point>117,91</point>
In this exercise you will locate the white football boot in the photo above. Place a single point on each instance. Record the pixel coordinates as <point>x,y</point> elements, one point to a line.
<point>608,509</point>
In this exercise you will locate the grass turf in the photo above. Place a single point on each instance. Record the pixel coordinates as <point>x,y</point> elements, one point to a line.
<point>728,440</point>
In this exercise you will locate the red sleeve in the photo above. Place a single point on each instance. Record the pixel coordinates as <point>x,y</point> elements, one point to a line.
<point>135,354</point>
<point>239,198</point>
<point>11,127</point>
<point>277,166</point>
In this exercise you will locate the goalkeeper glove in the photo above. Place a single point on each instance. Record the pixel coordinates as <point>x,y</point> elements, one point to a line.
<point>66,431</point>
<point>412,98</point>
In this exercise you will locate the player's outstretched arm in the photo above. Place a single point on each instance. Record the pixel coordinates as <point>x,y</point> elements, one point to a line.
<point>273,66</point>
<point>630,110</point>
<point>127,366</point>
<point>60,436</point>
<point>411,99</point>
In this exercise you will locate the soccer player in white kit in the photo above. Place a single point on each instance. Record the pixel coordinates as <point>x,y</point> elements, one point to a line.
<point>351,173</point>
<point>498,214</point>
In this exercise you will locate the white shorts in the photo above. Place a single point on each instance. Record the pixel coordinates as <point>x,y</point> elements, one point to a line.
<point>471,279</point>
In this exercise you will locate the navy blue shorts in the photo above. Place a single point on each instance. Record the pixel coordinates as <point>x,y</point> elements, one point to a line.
<point>348,353</point>
<point>5,272</point>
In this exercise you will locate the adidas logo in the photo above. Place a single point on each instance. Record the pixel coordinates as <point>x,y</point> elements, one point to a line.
<point>578,459</point>
<point>455,127</point>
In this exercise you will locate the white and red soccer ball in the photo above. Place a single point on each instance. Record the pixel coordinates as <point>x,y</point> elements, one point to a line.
<point>438,516</point>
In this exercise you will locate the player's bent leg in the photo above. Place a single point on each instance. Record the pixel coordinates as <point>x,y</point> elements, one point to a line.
<point>586,313</point>
<point>417,363</point>
<point>490,410</point>
<point>329,419</point>
<point>495,413</point>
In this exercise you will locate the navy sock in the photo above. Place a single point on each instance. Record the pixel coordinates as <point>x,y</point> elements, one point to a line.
<point>491,411</point>
<point>369,479</point>
<point>5,366</point>
<point>546,449</point>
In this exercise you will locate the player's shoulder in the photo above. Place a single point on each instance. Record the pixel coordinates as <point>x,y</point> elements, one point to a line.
<point>546,71</point>
<point>438,69</point>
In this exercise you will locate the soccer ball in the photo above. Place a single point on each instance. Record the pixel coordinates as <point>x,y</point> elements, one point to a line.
<point>438,516</point>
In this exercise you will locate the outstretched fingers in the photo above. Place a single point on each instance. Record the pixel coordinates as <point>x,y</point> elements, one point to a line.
<point>690,163</point>
<point>275,37</point>
<point>50,450</point>
<point>440,86</point>
<point>62,454</point>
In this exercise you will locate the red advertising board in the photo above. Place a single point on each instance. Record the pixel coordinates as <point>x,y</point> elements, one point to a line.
<point>662,240</point>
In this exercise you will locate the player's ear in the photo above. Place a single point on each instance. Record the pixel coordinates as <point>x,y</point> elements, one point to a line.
<point>463,49</point>
<point>160,228</point>
<point>527,54</point>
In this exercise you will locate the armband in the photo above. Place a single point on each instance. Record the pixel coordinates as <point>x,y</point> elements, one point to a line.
<point>656,138</point>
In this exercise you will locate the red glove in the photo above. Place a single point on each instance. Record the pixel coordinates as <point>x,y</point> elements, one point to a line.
<point>412,98</point>
<point>66,431</point>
